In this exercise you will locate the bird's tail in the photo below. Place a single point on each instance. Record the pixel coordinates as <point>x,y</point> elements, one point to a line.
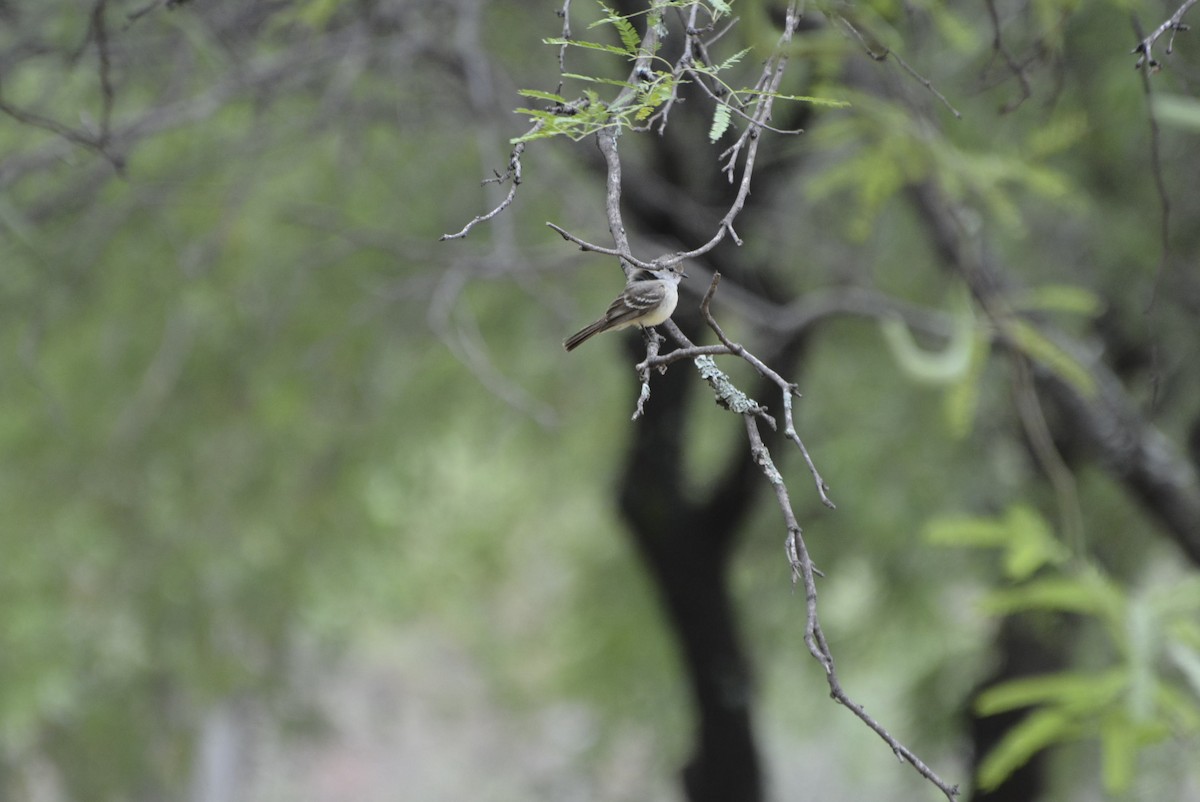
<point>577,339</point>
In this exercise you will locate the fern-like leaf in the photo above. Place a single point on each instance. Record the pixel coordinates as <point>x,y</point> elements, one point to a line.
<point>629,35</point>
<point>720,123</point>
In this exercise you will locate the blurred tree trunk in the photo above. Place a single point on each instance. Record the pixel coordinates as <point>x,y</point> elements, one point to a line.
<point>687,543</point>
<point>686,546</point>
<point>1021,653</point>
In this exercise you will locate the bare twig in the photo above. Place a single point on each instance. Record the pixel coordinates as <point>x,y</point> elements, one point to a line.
<point>512,175</point>
<point>885,52</point>
<point>168,113</point>
<point>654,341</point>
<point>606,140</point>
<point>99,141</point>
<point>768,84</point>
<point>1017,69</point>
<point>788,389</point>
<point>584,245</point>
<point>1045,451</point>
<point>690,44</point>
<point>107,96</point>
<point>565,13</point>
<point>689,350</point>
<point>464,340</point>
<point>803,569</point>
<point>805,572</point>
<point>138,13</point>
<point>1174,24</point>
<point>1160,184</point>
<point>738,112</point>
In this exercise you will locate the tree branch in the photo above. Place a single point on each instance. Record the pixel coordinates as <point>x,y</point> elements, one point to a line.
<point>1106,420</point>
<point>805,572</point>
<point>803,569</point>
<point>1174,24</point>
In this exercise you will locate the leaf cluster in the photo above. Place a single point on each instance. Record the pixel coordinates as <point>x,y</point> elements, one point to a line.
<point>655,81</point>
<point>1148,691</point>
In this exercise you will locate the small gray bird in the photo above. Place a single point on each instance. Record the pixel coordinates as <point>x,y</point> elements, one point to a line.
<point>648,299</point>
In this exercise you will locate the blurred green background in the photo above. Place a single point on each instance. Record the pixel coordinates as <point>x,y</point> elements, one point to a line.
<point>300,503</point>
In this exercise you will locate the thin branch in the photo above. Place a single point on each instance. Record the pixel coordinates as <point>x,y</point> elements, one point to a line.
<point>107,96</point>
<point>805,572</point>
<point>737,111</point>
<point>789,322</point>
<point>167,114</point>
<point>512,175</point>
<point>565,13</point>
<point>788,389</point>
<point>138,13</point>
<point>1014,67</point>
<point>690,43</point>
<point>1174,24</point>
<point>1164,199</point>
<point>882,55</point>
<point>99,141</point>
<point>468,345</point>
<point>1045,451</point>
<point>606,140</point>
<point>53,126</point>
<point>654,341</point>
<point>689,350</point>
<point>583,244</point>
<point>768,84</point>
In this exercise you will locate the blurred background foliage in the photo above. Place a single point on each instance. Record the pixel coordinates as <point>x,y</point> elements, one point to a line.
<point>299,503</point>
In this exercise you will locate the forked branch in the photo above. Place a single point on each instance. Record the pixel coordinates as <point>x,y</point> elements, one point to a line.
<point>804,571</point>
<point>1174,24</point>
<point>742,154</point>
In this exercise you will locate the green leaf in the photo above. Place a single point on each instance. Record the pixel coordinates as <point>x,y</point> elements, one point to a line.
<point>558,40</point>
<point>1118,748</point>
<point>962,397</point>
<point>1187,660</point>
<point>1142,644</point>
<point>1177,110</point>
<point>1027,540</point>
<point>605,81</point>
<point>537,94</point>
<point>936,367</point>
<point>1060,298</point>
<point>1178,598</point>
<point>554,125</point>
<point>1036,346</point>
<point>1179,709</point>
<point>816,101</point>
<point>971,532</point>
<point>625,29</point>
<point>732,60</point>
<point>720,123</point>
<point>1065,131</point>
<point>1075,692</point>
<point>1088,593</point>
<point>1031,544</point>
<point>1037,731</point>
<point>720,9</point>
<point>629,36</point>
<point>317,13</point>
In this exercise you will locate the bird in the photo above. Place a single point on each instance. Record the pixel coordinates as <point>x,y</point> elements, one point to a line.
<point>648,299</point>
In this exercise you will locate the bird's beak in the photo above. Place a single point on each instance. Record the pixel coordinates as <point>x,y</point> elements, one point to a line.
<point>682,274</point>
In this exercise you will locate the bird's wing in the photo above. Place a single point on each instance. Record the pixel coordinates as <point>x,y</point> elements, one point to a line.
<point>638,297</point>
